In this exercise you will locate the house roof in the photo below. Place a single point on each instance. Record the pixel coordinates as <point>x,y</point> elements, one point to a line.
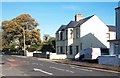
<point>117,8</point>
<point>73,24</point>
<point>61,28</point>
<point>84,20</point>
<point>112,28</point>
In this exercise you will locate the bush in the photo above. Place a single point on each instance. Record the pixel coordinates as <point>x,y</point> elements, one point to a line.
<point>34,47</point>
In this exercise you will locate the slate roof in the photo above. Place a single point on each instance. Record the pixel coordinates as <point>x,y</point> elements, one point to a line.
<point>84,20</point>
<point>112,28</point>
<point>62,28</point>
<point>73,24</point>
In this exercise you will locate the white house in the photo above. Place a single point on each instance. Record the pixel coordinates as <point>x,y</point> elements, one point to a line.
<point>83,33</point>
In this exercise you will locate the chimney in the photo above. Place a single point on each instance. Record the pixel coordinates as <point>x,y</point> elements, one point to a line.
<point>78,17</point>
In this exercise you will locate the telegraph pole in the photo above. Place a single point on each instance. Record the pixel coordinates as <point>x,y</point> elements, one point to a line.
<point>24,40</point>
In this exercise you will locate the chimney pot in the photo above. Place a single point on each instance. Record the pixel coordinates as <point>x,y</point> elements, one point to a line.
<point>78,17</point>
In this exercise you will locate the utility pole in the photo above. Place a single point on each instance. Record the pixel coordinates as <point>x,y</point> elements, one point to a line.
<point>24,40</point>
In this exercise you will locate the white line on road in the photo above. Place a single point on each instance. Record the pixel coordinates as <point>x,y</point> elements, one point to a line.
<point>37,64</point>
<point>35,69</point>
<point>41,64</point>
<point>81,69</point>
<point>62,69</point>
<point>84,69</point>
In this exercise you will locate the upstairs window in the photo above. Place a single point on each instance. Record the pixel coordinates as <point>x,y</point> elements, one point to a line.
<point>57,36</point>
<point>61,35</point>
<point>66,34</point>
<point>71,33</point>
<point>108,36</point>
<point>77,33</point>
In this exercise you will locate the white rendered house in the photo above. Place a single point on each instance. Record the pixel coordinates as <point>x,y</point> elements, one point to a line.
<point>82,33</point>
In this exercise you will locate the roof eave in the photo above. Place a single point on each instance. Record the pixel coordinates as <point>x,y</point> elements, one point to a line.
<point>117,8</point>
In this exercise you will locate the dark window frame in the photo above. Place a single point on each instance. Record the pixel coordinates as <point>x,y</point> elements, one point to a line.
<point>71,50</point>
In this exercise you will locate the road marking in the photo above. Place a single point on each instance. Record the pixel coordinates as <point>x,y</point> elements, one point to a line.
<point>37,64</point>
<point>41,64</point>
<point>85,69</point>
<point>35,69</point>
<point>104,70</point>
<point>10,59</point>
<point>62,69</point>
<point>81,68</point>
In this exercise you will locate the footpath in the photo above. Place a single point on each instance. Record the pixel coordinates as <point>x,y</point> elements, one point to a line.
<point>92,65</point>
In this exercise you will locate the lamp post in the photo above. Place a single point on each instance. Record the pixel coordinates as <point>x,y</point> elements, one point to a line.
<point>24,41</point>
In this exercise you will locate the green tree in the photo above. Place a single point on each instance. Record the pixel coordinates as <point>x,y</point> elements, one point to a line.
<point>15,29</point>
<point>49,45</point>
<point>46,37</point>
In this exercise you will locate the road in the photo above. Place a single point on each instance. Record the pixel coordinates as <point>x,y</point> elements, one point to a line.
<point>30,66</point>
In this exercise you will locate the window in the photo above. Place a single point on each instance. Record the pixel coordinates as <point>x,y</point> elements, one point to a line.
<point>66,34</point>
<point>80,46</point>
<point>108,35</point>
<point>77,49</point>
<point>61,50</point>
<point>77,33</point>
<point>70,50</point>
<point>66,50</point>
<point>57,36</point>
<point>71,33</point>
<point>57,49</point>
<point>61,35</point>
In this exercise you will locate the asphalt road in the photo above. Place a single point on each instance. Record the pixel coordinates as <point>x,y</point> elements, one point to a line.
<point>30,66</point>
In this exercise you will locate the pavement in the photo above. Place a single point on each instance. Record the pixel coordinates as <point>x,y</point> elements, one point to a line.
<point>92,65</point>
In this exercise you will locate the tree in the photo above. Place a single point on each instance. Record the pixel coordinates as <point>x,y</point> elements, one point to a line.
<point>49,45</point>
<point>46,37</point>
<point>15,29</point>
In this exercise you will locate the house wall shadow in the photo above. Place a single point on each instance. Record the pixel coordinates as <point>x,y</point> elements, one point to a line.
<point>86,41</point>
